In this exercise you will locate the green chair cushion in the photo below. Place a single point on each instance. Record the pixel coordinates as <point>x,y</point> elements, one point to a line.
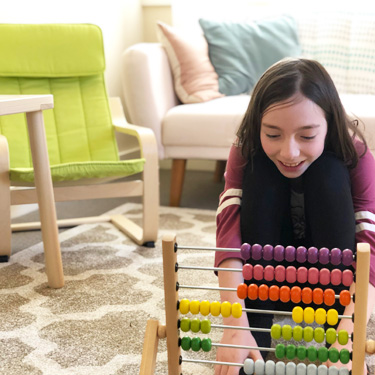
<point>51,50</point>
<point>82,170</point>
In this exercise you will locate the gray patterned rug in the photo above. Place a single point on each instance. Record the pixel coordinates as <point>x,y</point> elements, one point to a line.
<point>96,323</point>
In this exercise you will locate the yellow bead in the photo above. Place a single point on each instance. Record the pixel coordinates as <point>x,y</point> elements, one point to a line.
<point>195,307</point>
<point>236,310</point>
<point>215,308</point>
<point>205,308</point>
<point>297,314</point>
<point>226,309</point>
<point>320,316</point>
<point>309,315</point>
<point>332,317</point>
<point>184,306</point>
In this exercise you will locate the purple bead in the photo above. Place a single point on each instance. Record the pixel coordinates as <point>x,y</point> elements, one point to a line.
<point>268,252</point>
<point>245,251</point>
<point>312,255</point>
<point>347,257</point>
<point>335,256</point>
<point>301,254</point>
<point>278,253</point>
<point>256,252</point>
<point>290,254</point>
<point>324,255</point>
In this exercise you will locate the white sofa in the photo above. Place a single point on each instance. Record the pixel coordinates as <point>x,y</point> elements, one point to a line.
<point>206,130</point>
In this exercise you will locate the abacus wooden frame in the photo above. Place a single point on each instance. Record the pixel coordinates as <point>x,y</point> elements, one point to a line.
<point>155,330</point>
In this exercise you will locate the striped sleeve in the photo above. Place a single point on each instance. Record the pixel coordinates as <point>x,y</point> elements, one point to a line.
<point>363,192</point>
<point>228,232</point>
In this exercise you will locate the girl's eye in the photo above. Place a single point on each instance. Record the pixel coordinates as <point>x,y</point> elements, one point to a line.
<point>272,136</point>
<point>308,138</point>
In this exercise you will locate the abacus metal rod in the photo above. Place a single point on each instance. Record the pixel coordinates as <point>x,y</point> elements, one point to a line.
<point>211,362</point>
<point>266,349</point>
<point>209,268</point>
<point>232,250</point>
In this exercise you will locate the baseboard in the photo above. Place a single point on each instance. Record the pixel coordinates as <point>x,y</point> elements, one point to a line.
<point>192,165</point>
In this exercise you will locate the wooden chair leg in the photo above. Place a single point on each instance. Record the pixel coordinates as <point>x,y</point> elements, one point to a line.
<point>5,224</point>
<point>177,182</point>
<point>219,170</point>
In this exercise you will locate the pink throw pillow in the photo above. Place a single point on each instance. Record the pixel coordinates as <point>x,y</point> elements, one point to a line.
<point>194,76</point>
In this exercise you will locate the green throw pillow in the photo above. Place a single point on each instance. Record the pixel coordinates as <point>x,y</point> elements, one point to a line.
<point>242,51</point>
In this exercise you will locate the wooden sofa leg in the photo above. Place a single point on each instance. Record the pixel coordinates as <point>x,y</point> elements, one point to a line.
<point>177,181</point>
<point>219,170</point>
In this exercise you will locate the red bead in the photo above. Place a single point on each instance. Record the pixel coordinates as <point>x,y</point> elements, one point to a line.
<point>274,293</point>
<point>263,292</point>
<point>347,277</point>
<point>329,297</point>
<point>324,276</point>
<point>295,294</point>
<point>252,291</point>
<point>345,297</point>
<point>318,296</point>
<point>302,275</point>
<point>313,277</point>
<point>258,272</point>
<point>242,291</point>
<point>247,271</point>
<point>336,276</point>
<point>307,295</point>
<point>285,293</point>
<point>291,274</point>
<point>269,273</point>
<point>280,274</point>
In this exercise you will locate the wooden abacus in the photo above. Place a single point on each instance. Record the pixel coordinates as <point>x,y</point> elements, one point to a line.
<point>173,307</point>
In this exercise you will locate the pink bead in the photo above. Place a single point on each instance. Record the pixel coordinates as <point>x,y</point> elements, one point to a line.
<point>347,277</point>
<point>247,271</point>
<point>291,274</point>
<point>324,276</point>
<point>313,277</point>
<point>302,275</point>
<point>336,276</point>
<point>280,274</point>
<point>269,273</point>
<point>258,272</point>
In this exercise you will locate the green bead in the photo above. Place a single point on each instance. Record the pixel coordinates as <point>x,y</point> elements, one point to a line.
<point>290,351</point>
<point>195,325</point>
<point>186,343</point>
<point>333,355</point>
<point>205,326</point>
<point>286,332</point>
<point>280,351</point>
<point>308,334</point>
<point>196,344</point>
<point>344,356</point>
<point>319,334</point>
<point>323,354</point>
<point>312,353</point>
<point>298,333</point>
<point>276,331</point>
<point>331,336</point>
<point>185,324</point>
<point>206,345</point>
<point>301,352</point>
<point>343,337</point>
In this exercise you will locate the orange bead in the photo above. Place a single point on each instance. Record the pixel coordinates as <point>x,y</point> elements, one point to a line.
<point>329,297</point>
<point>274,293</point>
<point>252,291</point>
<point>318,296</point>
<point>307,295</point>
<point>295,294</point>
<point>285,293</point>
<point>242,291</point>
<point>345,297</point>
<point>263,292</point>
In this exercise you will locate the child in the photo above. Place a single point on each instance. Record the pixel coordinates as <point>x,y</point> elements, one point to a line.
<point>299,174</point>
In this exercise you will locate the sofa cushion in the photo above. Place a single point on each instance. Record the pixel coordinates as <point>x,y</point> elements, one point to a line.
<point>194,76</point>
<point>242,51</point>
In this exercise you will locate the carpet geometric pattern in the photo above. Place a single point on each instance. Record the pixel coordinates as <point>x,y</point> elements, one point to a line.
<point>95,324</point>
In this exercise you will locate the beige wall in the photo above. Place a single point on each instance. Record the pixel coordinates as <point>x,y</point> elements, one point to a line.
<point>152,14</point>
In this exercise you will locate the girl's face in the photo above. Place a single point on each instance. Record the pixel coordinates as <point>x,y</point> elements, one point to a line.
<point>292,135</point>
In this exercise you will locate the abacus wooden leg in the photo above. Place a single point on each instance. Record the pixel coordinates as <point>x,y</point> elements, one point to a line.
<point>360,308</point>
<point>150,348</point>
<point>177,181</point>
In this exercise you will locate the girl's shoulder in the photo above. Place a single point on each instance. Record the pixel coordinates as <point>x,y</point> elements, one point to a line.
<point>364,172</point>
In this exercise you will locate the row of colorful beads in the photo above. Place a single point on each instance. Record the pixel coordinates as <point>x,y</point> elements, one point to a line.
<point>195,325</point>
<point>260,367</point>
<point>311,353</point>
<point>301,254</point>
<point>320,316</point>
<point>302,275</point>
<point>308,334</point>
<point>215,308</point>
<point>294,294</point>
<point>195,344</point>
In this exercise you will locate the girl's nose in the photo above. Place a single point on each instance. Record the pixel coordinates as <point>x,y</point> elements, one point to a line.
<point>289,150</point>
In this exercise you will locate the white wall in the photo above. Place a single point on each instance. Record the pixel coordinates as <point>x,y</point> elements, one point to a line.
<point>120,21</point>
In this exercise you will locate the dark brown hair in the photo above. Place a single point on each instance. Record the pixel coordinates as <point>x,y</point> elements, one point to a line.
<point>284,80</point>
